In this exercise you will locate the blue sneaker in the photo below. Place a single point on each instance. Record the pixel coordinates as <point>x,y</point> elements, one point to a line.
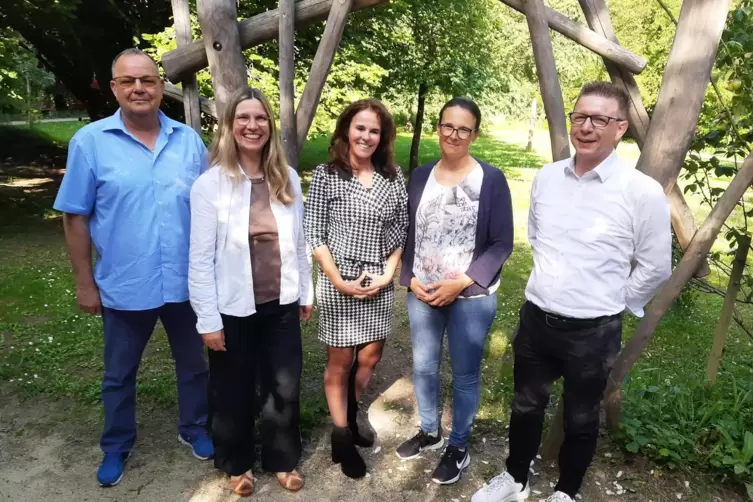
<point>201,444</point>
<point>110,471</point>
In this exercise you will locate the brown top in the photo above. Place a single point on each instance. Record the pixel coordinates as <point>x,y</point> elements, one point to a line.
<point>264,244</point>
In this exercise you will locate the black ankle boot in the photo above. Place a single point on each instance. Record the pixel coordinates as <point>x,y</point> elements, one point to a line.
<point>362,436</point>
<point>344,452</point>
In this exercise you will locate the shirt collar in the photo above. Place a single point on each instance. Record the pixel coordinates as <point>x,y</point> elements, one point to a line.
<point>602,171</point>
<point>115,123</point>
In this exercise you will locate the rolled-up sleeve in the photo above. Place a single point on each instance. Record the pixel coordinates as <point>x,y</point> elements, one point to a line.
<point>317,213</point>
<point>78,189</point>
<point>202,285</point>
<point>306,283</point>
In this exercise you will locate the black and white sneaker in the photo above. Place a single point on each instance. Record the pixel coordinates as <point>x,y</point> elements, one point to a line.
<point>454,461</point>
<point>413,447</point>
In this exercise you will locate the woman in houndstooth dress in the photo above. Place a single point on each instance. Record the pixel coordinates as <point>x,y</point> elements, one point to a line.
<point>356,223</point>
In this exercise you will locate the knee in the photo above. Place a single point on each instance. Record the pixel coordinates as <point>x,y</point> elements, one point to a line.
<point>530,404</point>
<point>465,380</point>
<point>582,419</point>
<point>337,371</point>
<point>369,361</point>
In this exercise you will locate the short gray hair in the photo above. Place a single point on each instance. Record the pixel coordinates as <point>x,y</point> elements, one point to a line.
<point>132,51</point>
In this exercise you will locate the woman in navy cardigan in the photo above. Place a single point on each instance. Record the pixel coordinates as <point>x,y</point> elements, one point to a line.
<point>460,234</point>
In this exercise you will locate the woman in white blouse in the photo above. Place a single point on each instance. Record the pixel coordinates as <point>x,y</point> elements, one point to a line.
<point>250,284</point>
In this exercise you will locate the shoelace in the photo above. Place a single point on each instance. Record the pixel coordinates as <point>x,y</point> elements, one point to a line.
<point>503,479</point>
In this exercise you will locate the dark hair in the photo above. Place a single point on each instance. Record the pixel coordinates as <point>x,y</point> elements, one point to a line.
<point>339,146</point>
<point>607,90</point>
<point>466,104</point>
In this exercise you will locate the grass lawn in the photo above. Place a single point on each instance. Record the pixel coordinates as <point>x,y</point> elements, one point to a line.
<point>52,349</point>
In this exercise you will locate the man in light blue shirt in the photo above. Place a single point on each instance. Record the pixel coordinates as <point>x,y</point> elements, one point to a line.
<point>126,190</point>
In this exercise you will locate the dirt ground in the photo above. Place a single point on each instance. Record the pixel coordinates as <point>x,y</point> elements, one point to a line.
<point>48,454</point>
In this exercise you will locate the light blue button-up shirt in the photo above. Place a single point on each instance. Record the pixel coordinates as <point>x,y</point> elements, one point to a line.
<point>137,202</point>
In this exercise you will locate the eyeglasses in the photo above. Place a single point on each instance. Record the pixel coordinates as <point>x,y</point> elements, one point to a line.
<point>463,132</point>
<point>128,82</point>
<point>598,121</point>
<point>261,120</point>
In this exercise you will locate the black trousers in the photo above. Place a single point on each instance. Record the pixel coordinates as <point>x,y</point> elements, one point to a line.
<point>545,348</point>
<point>267,346</point>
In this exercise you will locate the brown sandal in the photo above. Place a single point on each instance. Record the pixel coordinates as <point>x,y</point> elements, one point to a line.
<point>291,481</point>
<point>243,485</point>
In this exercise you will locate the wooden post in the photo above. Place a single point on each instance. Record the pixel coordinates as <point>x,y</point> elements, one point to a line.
<point>531,125</point>
<point>325,54</point>
<point>183,61</point>
<point>697,251</point>
<point>683,221</point>
<point>182,19</point>
<point>683,89</point>
<point>219,25</point>
<point>738,267</point>
<point>287,85</point>
<point>587,38</point>
<point>551,93</point>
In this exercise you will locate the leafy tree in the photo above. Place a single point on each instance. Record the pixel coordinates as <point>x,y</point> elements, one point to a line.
<point>22,81</point>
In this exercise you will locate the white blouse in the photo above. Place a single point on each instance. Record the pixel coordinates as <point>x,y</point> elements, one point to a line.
<point>219,269</point>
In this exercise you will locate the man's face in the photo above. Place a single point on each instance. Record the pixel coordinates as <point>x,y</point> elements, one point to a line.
<point>593,138</point>
<point>137,85</point>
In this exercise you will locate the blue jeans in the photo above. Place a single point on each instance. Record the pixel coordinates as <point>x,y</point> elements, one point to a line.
<point>467,322</point>
<point>126,336</point>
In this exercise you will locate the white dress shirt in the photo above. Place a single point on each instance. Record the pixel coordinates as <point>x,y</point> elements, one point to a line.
<point>219,263</point>
<point>602,243</point>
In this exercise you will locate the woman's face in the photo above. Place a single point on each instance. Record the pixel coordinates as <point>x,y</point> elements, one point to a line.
<point>363,135</point>
<point>456,130</point>
<point>251,126</point>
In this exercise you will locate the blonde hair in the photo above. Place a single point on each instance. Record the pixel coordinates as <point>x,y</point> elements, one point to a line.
<point>224,150</point>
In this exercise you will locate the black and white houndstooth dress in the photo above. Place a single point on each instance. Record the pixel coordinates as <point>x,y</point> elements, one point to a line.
<point>361,227</point>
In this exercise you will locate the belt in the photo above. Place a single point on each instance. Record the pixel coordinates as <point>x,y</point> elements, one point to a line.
<point>563,322</point>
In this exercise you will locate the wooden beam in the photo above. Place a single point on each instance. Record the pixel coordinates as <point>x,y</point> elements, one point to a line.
<point>181,62</point>
<point>223,48</point>
<point>738,267</point>
<point>325,54</point>
<point>683,221</point>
<point>287,87</point>
<point>182,19</point>
<point>683,89</point>
<point>175,93</point>
<point>697,250</point>
<point>587,38</point>
<point>546,68</point>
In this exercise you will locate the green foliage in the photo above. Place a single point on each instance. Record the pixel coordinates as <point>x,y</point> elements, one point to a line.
<point>22,81</point>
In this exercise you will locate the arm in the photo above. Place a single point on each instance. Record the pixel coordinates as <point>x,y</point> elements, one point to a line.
<point>396,235</point>
<point>531,213</point>
<point>652,244</point>
<point>316,221</point>
<point>306,298</point>
<point>202,287</point>
<point>76,200</point>
<point>79,244</point>
<point>484,269</point>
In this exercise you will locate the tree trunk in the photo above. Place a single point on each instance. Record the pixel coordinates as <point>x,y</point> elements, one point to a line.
<point>683,89</point>
<point>287,85</point>
<point>587,38</point>
<point>191,106</point>
<point>546,69</point>
<point>531,126</point>
<point>697,251</point>
<point>325,54</point>
<point>28,100</point>
<point>183,61</point>
<point>423,90</point>
<point>738,267</point>
<point>218,20</point>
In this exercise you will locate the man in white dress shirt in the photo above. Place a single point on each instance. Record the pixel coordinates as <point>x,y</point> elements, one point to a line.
<point>601,240</point>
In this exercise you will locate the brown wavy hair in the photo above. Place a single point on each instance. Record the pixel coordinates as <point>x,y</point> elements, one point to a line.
<point>224,151</point>
<point>383,157</point>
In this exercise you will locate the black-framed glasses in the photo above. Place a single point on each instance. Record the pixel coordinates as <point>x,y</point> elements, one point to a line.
<point>128,82</point>
<point>463,132</point>
<point>599,121</point>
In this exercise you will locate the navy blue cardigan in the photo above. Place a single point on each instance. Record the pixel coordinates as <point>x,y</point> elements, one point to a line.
<point>494,233</point>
